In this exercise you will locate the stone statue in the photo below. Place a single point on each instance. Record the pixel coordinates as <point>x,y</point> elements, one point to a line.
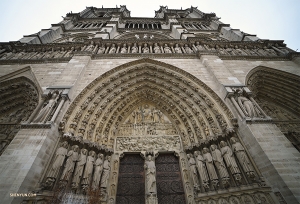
<point>239,51</point>
<point>79,168</point>
<point>112,49</point>
<point>90,47</point>
<point>230,160</point>
<point>202,169</point>
<point>101,49</point>
<point>192,165</point>
<point>167,49</point>
<point>218,160</point>
<point>134,48</point>
<point>246,105</point>
<point>156,48</point>
<point>70,53</point>
<point>199,47</point>
<point>87,175</point>
<point>60,155</point>
<point>70,163</point>
<point>150,175</point>
<point>145,49</point>
<point>105,174</point>
<point>177,49</point>
<point>240,153</point>
<point>207,158</point>
<point>187,49</point>
<point>124,49</point>
<point>44,112</point>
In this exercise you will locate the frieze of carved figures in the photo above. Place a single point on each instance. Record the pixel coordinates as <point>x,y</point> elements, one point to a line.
<point>136,144</point>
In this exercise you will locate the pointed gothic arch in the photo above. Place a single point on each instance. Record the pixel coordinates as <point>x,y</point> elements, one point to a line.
<point>196,112</point>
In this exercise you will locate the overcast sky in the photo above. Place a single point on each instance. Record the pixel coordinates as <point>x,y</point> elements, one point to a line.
<point>268,19</point>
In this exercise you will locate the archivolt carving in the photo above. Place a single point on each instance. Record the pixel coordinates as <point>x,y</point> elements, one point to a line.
<point>105,104</point>
<point>19,97</point>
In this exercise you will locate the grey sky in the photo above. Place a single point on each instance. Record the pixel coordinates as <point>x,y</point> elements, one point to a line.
<point>268,19</point>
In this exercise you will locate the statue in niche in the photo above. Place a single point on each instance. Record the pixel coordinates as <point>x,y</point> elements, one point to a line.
<point>239,51</point>
<point>112,49</point>
<point>221,50</point>
<point>60,53</point>
<point>90,47</point>
<point>145,49</point>
<point>249,51</point>
<point>79,168</point>
<point>229,50</point>
<point>167,49</point>
<point>88,170</point>
<point>192,165</point>
<point>124,49</point>
<point>187,49</point>
<point>134,48</point>
<point>98,171</point>
<point>60,155</point>
<point>207,158</point>
<point>47,109</point>
<point>246,105</point>
<point>177,49</point>
<point>156,48</point>
<point>48,54</point>
<point>218,160</point>
<point>150,175</point>
<point>202,169</point>
<point>230,160</point>
<point>70,163</point>
<point>240,153</point>
<point>101,49</point>
<point>105,174</point>
<point>199,47</point>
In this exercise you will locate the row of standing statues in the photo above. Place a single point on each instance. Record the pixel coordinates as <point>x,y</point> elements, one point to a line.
<point>157,48</point>
<point>79,167</point>
<point>206,166</point>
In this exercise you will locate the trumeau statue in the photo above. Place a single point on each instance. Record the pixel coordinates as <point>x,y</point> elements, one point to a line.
<point>46,110</point>
<point>201,169</point>
<point>150,175</point>
<point>240,153</point>
<point>79,168</point>
<point>98,171</point>
<point>70,163</point>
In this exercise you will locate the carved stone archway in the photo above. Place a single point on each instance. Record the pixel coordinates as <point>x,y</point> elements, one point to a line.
<point>198,114</point>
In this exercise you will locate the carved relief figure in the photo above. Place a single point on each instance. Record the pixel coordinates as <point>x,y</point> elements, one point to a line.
<point>167,49</point>
<point>88,169</point>
<point>207,158</point>
<point>70,163</point>
<point>124,49</point>
<point>134,48</point>
<point>112,49</point>
<point>230,160</point>
<point>239,151</point>
<point>79,168</point>
<point>150,175</point>
<point>145,49</point>
<point>156,48</point>
<point>218,160</point>
<point>90,47</point>
<point>70,53</point>
<point>98,171</point>
<point>192,165</point>
<point>177,49</point>
<point>105,174</point>
<point>101,49</point>
<point>44,112</point>
<point>199,47</point>
<point>187,49</point>
<point>202,169</point>
<point>60,155</point>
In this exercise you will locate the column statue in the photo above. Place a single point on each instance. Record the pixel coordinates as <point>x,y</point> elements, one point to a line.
<point>230,160</point>
<point>192,165</point>
<point>70,163</point>
<point>98,171</point>
<point>79,168</point>
<point>207,158</point>
<point>202,169</point>
<point>240,153</point>
<point>87,174</point>
<point>105,174</point>
<point>218,160</point>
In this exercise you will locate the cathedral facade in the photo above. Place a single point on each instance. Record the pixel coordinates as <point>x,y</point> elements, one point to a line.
<point>180,108</point>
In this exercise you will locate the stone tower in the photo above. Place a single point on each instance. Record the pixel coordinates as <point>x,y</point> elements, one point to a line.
<point>179,108</point>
